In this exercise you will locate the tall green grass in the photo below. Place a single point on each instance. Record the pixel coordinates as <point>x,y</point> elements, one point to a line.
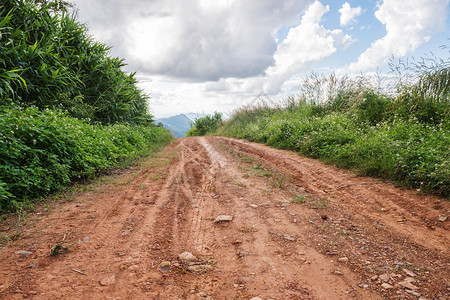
<point>48,60</point>
<point>402,135</point>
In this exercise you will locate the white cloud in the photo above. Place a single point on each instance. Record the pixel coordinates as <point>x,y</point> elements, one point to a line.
<point>408,25</point>
<point>192,39</point>
<point>348,14</point>
<point>307,43</point>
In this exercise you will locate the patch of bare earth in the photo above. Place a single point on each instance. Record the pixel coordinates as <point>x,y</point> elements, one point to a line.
<point>292,228</point>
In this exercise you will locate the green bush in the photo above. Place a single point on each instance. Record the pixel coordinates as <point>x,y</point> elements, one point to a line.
<point>43,150</point>
<point>205,125</point>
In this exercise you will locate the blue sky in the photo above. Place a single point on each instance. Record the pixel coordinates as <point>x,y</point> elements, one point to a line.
<point>206,56</point>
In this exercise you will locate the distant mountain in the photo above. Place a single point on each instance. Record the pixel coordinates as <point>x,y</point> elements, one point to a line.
<point>194,116</point>
<point>178,124</point>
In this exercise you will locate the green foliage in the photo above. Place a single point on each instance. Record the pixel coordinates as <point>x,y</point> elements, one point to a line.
<point>48,60</point>
<point>403,138</point>
<point>43,150</point>
<point>205,125</point>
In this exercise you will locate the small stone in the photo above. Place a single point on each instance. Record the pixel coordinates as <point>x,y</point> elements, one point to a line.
<point>375,277</point>
<point>85,239</point>
<point>242,253</point>
<point>384,277</point>
<point>254,205</point>
<point>164,266</point>
<point>223,218</point>
<point>414,293</point>
<point>343,259</point>
<point>187,257</point>
<point>387,286</point>
<point>256,298</point>
<point>409,272</point>
<point>23,252</point>
<point>237,242</point>
<point>108,280</point>
<point>285,204</point>
<point>289,238</point>
<point>337,272</point>
<point>199,268</point>
<point>407,284</point>
<point>442,218</point>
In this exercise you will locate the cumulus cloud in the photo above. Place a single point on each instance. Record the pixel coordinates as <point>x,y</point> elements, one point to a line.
<point>307,43</point>
<point>193,39</point>
<point>349,14</point>
<point>408,25</point>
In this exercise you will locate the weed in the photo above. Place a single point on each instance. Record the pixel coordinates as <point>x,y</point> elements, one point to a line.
<point>320,203</point>
<point>279,180</point>
<point>299,199</point>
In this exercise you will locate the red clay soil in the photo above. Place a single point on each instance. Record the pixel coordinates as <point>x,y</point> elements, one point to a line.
<point>300,229</point>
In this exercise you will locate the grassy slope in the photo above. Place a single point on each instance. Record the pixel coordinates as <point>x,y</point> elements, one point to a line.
<point>366,131</point>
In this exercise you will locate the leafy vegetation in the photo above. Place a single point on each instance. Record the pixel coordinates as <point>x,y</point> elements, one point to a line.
<point>205,125</point>
<point>67,110</point>
<point>402,134</point>
<point>44,150</point>
<point>48,60</point>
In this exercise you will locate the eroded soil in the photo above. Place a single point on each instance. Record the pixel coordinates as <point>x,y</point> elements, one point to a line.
<point>300,230</point>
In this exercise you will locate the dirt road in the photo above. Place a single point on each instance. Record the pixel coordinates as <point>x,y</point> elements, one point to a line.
<point>300,229</point>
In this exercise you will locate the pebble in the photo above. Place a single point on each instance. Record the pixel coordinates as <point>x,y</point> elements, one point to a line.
<point>108,280</point>
<point>343,259</point>
<point>387,286</point>
<point>375,277</point>
<point>442,218</point>
<point>199,268</point>
<point>164,266</point>
<point>254,205</point>
<point>407,284</point>
<point>223,218</point>
<point>384,277</point>
<point>85,239</point>
<point>414,293</point>
<point>187,257</point>
<point>409,272</point>
<point>256,298</point>
<point>242,253</point>
<point>337,272</point>
<point>289,238</point>
<point>23,252</point>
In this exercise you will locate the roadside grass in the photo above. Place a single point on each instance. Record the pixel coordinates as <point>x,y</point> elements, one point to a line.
<point>401,134</point>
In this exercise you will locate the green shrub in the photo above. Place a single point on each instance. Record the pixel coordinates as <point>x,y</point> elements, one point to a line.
<point>44,150</point>
<point>205,125</point>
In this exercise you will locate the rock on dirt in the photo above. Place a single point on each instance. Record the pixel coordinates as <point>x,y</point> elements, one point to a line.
<point>384,277</point>
<point>199,268</point>
<point>387,286</point>
<point>187,257</point>
<point>164,266</point>
<point>108,280</point>
<point>223,218</point>
<point>409,273</point>
<point>23,252</point>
